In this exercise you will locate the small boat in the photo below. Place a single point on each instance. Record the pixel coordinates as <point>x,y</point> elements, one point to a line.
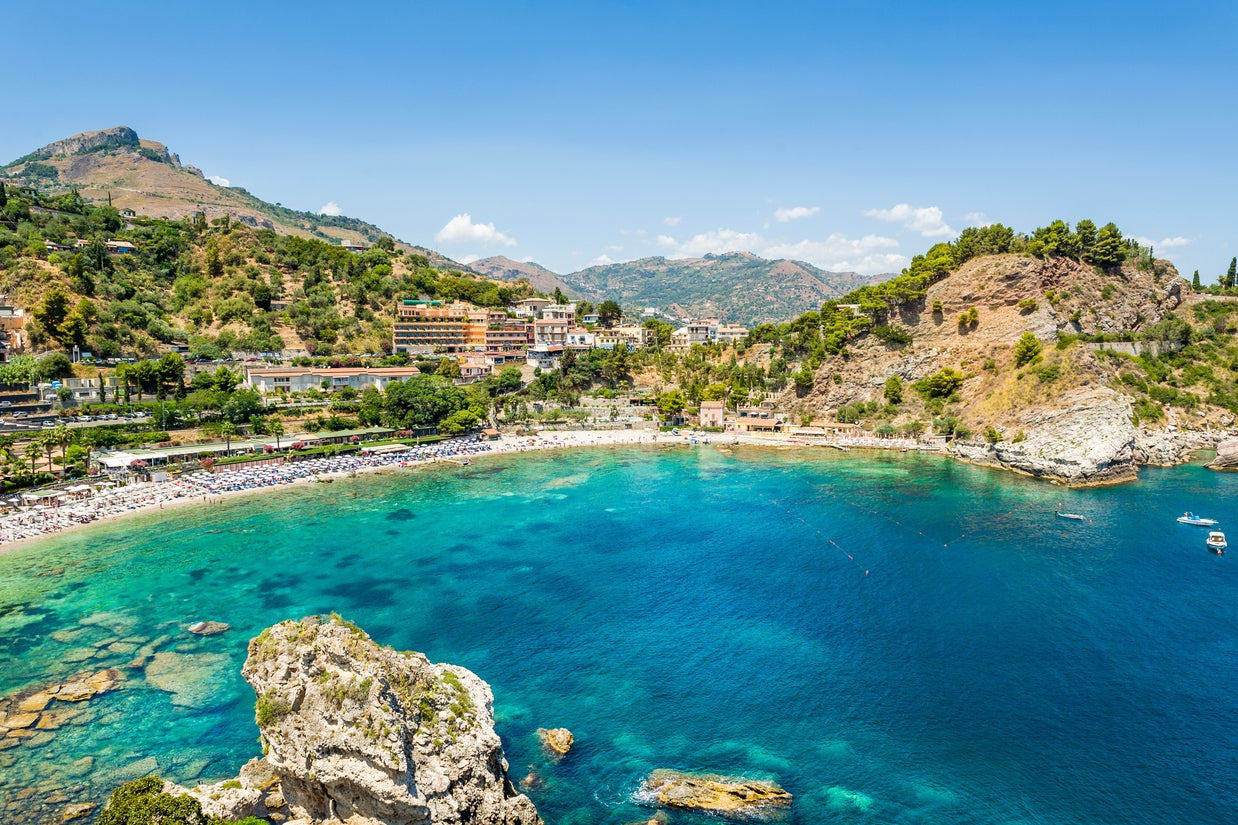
<point>1216,542</point>
<point>1190,518</point>
<point>1072,516</point>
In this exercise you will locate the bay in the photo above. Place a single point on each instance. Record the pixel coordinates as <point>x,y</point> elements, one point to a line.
<point>893,638</point>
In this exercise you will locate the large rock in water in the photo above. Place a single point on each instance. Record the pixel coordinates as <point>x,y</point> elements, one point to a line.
<point>1227,456</point>
<point>716,794</point>
<point>360,733</point>
<point>1088,439</point>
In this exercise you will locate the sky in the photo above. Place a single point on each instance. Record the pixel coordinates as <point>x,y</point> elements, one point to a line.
<point>852,135</point>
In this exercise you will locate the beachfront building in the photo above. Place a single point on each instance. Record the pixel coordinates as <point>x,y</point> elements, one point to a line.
<point>268,380</point>
<point>545,356</point>
<point>552,331</point>
<point>712,413</point>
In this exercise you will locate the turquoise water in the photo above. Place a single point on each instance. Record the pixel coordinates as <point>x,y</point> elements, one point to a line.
<point>976,660</point>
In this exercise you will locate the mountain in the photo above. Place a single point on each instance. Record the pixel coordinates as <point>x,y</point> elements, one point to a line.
<point>737,287</point>
<point>505,269</point>
<point>117,166</point>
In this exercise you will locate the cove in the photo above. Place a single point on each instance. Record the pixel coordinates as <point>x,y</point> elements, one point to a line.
<point>895,638</point>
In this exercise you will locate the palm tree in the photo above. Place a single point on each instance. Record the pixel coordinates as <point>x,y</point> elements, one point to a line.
<point>32,452</point>
<point>63,437</point>
<point>276,428</point>
<point>48,442</point>
<point>227,430</point>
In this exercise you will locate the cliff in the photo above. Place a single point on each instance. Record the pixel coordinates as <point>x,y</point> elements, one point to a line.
<point>360,733</point>
<point>1071,413</point>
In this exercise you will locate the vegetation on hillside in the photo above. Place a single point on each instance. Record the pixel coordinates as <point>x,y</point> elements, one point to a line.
<point>216,287</point>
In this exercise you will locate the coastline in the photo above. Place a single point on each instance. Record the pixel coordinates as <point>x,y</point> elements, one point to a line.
<point>152,497</point>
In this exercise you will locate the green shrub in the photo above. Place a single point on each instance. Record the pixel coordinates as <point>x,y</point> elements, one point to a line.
<point>270,709</point>
<point>941,384</point>
<point>1027,305</point>
<point>1027,349</point>
<point>1048,373</point>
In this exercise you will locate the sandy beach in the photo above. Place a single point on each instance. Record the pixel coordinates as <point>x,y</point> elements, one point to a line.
<point>201,487</point>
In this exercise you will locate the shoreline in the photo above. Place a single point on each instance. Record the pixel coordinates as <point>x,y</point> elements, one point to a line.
<point>187,490</point>
<point>145,498</point>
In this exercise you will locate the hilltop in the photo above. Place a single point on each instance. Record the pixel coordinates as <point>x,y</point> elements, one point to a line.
<point>735,287</point>
<point>117,167</point>
<point>539,277</point>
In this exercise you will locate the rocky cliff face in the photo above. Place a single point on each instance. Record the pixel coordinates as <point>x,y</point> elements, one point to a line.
<point>359,733</point>
<point>1087,439</point>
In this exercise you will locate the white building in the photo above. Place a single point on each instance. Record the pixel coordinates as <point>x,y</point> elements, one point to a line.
<point>267,380</point>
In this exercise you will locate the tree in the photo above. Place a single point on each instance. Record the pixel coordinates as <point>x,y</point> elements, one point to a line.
<point>275,427</point>
<point>1085,234</point>
<point>63,437</point>
<point>53,309</point>
<point>1195,285</point>
<point>4,196</point>
<point>803,378</point>
<point>241,406</point>
<point>51,367</point>
<point>1110,248</point>
<point>448,368</point>
<point>894,389</point>
<point>226,380</point>
<point>1232,274</point>
<point>228,431</point>
<point>1027,349</point>
<point>671,403</point>
<point>560,298</point>
<point>609,312</point>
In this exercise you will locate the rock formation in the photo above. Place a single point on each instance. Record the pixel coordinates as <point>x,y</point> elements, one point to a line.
<point>359,733</point>
<point>1088,440</point>
<point>558,741</point>
<point>1227,456</point>
<point>716,794</point>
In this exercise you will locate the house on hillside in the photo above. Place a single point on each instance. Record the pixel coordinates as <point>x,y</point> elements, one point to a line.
<point>115,247</point>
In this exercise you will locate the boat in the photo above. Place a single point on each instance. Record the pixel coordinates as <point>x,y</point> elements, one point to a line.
<point>1190,518</point>
<point>1216,542</point>
<point>1072,516</point>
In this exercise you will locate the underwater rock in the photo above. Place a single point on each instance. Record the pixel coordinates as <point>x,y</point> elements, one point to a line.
<point>208,628</point>
<point>716,794</point>
<point>77,810</point>
<point>193,679</point>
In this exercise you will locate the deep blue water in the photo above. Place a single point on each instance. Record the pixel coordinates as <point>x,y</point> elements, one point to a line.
<point>896,638</point>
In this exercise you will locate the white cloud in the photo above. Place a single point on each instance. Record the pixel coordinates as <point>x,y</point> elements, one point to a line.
<point>926,220</point>
<point>977,219</point>
<point>869,255</point>
<point>794,213</point>
<point>1164,243</point>
<point>461,229</point>
<point>601,260</point>
<point>218,181</point>
<point>672,221</point>
<point>330,208</point>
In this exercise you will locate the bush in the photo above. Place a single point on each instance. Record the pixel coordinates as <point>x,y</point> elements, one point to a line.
<point>941,384</point>
<point>1027,305</point>
<point>143,802</point>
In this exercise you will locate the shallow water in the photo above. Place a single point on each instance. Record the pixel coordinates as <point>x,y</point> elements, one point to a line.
<point>894,638</point>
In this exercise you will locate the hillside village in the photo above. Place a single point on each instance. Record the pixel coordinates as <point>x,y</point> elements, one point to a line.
<point>1069,353</point>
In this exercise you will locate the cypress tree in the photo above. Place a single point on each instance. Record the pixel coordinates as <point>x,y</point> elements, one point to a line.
<point>1233,271</point>
<point>1195,281</point>
<point>4,196</point>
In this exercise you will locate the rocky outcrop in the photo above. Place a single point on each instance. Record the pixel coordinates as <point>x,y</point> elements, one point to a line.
<point>1170,445</point>
<point>83,142</point>
<point>1227,456</point>
<point>716,794</point>
<point>359,733</point>
<point>208,628</point>
<point>1090,440</point>
<point>558,741</point>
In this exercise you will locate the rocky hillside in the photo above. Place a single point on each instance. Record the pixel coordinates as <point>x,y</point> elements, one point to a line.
<point>736,287</point>
<point>1007,352</point>
<point>117,166</point>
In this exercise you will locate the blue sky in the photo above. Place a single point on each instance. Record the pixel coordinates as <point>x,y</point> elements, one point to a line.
<point>851,135</point>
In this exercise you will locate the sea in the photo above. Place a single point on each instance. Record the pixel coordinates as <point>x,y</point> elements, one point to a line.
<point>893,638</point>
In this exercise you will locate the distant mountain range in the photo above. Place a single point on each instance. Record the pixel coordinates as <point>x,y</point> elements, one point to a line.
<point>738,287</point>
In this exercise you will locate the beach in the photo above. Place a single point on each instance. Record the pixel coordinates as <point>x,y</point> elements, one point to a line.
<point>201,487</point>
